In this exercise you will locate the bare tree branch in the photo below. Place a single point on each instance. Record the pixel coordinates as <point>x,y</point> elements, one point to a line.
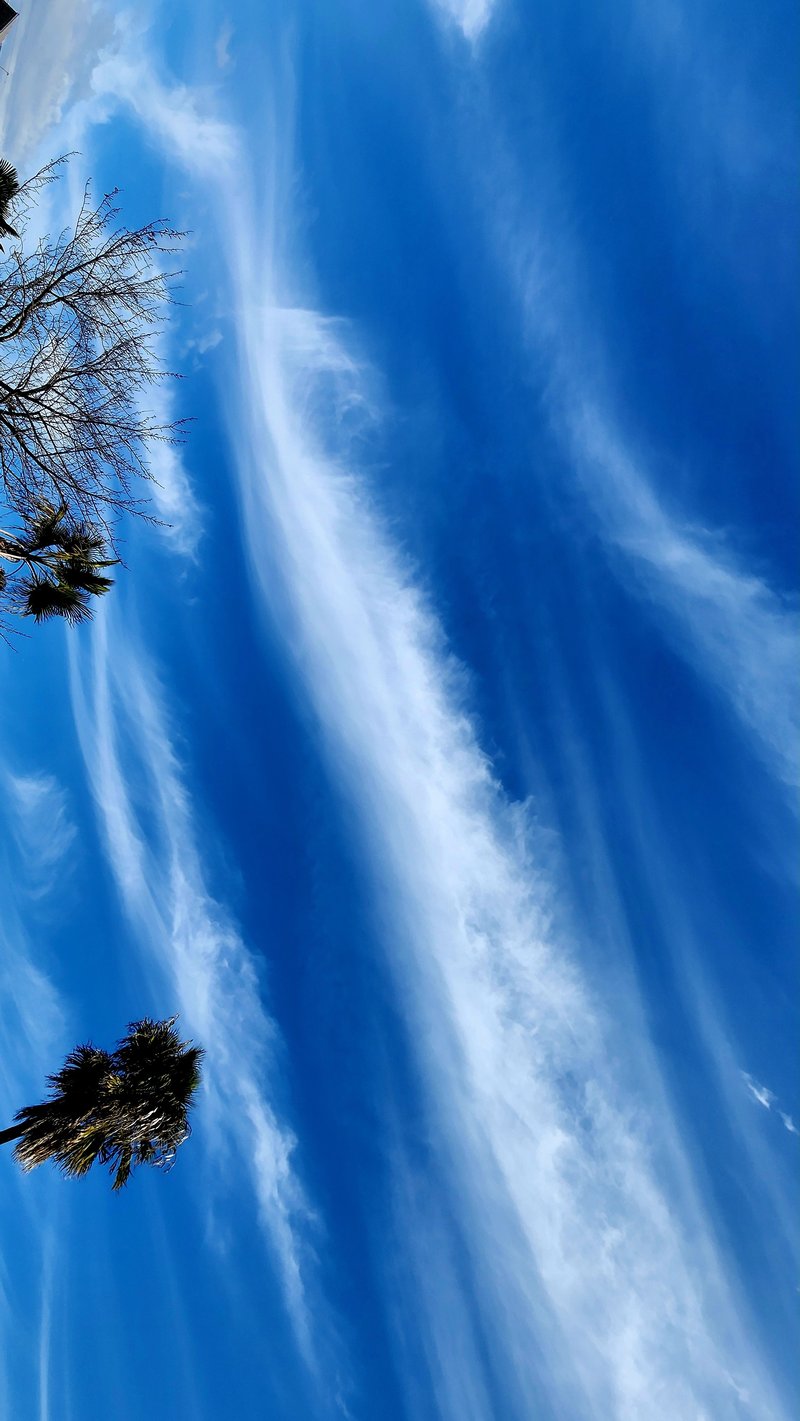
<point>79,314</point>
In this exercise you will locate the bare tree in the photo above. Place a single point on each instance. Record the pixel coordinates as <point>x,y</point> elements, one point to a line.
<point>79,316</point>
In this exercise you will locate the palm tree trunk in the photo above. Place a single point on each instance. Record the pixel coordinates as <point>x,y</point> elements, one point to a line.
<point>12,1134</point>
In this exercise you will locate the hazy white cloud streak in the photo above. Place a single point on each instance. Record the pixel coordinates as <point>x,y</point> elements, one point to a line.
<point>768,1099</point>
<point>50,54</point>
<point>222,46</point>
<point>190,939</point>
<point>34,1026</point>
<point>152,848</point>
<point>31,1010</point>
<point>471,16</point>
<point>740,633</point>
<point>569,1223</point>
<point>41,825</point>
<point>46,1324</point>
<point>575,1236</point>
<point>552,1167</point>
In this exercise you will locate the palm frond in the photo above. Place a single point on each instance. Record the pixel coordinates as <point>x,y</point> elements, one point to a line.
<point>83,1070</point>
<point>83,578</point>
<point>125,1162</point>
<point>9,183</point>
<point>57,1127</point>
<point>78,538</point>
<point>85,547</point>
<point>42,599</point>
<point>46,528</point>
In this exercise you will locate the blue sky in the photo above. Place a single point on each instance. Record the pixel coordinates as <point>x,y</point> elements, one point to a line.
<point>438,763</point>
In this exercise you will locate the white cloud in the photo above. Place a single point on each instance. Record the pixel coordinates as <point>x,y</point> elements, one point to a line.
<point>723,113</point>
<point>768,1099</point>
<point>50,55</point>
<point>423,1263</point>
<point>32,1013</point>
<point>574,1233</point>
<point>538,1137</point>
<point>206,342</point>
<point>172,492</point>
<point>179,119</point>
<point>37,835</point>
<point>46,1322</point>
<point>40,822</point>
<point>471,16</point>
<point>147,818</point>
<point>222,47</point>
<point>760,1093</point>
<point>539,1143</point>
<point>737,631</point>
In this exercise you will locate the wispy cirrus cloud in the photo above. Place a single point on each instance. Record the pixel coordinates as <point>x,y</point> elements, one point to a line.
<point>42,826</point>
<point>574,1235</point>
<point>36,844</point>
<point>737,630</point>
<point>208,341</point>
<point>48,1285</point>
<point>189,939</point>
<point>471,16</point>
<point>34,1020</point>
<point>537,1137</point>
<point>188,126</point>
<point>768,1099</point>
<point>536,1131</point>
<point>222,46</point>
<point>32,1011</point>
<point>172,490</point>
<point>739,633</point>
<point>759,1092</point>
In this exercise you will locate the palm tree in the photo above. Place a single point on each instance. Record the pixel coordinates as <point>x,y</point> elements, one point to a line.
<point>121,1108</point>
<point>64,561</point>
<point>9,187</point>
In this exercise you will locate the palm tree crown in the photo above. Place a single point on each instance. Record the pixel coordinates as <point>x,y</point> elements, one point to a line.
<point>121,1108</point>
<point>9,187</point>
<point>64,561</point>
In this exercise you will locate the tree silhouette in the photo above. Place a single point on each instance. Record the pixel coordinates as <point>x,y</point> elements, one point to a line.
<point>9,187</point>
<point>120,1108</point>
<point>79,314</point>
<point>53,566</point>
